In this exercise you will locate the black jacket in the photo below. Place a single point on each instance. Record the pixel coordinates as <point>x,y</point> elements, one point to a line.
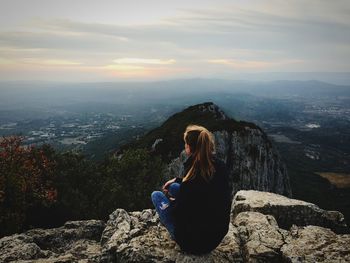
<point>201,210</point>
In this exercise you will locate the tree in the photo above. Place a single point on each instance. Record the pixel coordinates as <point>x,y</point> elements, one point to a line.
<point>26,175</point>
<point>132,177</point>
<point>78,181</point>
<point>40,187</point>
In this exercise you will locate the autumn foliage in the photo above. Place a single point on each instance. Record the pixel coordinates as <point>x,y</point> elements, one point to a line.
<point>26,176</point>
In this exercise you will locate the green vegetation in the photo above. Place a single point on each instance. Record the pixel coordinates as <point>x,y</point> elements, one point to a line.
<point>97,149</point>
<point>134,176</point>
<point>40,187</point>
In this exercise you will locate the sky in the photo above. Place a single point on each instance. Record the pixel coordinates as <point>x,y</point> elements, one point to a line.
<point>111,40</point>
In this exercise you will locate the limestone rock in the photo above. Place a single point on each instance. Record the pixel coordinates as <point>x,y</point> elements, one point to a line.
<point>175,168</point>
<point>76,240</point>
<point>288,211</point>
<point>253,162</point>
<point>17,247</point>
<point>263,241</point>
<point>140,237</point>
<point>316,244</point>
<point>261,238</point>
<point>252,159</point>
<point>255,235</point>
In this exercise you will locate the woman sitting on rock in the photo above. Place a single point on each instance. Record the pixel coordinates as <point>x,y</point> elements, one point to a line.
<point>195,209</point>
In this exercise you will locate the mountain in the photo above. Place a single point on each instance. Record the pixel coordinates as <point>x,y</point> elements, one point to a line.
<point>250,156</point>
<point>266,224</point>
<point>264,227</point>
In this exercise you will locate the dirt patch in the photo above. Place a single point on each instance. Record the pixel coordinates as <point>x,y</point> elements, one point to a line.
<point>340,180</point>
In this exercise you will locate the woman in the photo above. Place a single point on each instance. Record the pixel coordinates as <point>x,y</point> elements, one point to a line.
<point>196,208</point>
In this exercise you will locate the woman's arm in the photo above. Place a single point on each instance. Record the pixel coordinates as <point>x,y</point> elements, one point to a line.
<point>174,180</point>
<point>166,185</point>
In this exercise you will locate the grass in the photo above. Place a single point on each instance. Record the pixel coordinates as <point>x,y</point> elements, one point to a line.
<point>340,180</point>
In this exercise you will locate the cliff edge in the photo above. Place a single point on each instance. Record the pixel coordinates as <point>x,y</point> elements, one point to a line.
<point>265,227</point>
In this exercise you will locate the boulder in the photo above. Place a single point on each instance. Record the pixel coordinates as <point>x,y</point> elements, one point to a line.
<point>316,244</point>
<point>288,211</point>
<point>76,240</point>
<point>140,237</point>
<point>263,241</point>
<point>259,231</point>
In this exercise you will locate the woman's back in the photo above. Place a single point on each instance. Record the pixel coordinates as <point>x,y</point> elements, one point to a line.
<point>202,211</point>
<point>199,215</point>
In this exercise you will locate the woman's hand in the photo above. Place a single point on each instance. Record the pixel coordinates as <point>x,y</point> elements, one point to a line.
<point>166,185</point>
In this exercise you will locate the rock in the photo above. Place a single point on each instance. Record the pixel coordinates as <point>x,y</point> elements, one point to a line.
<point>263,241</point>
<point>288,211</point>
<point>252,159</point>
<point>17,247</point>
<point>76,240</point>
<point>260,236</point>
<point>175,168</point>
<point>316,244</point>
<point>140,237</point>
<point>211,107</point>
<point>154,145</point>
<point>255,235</point>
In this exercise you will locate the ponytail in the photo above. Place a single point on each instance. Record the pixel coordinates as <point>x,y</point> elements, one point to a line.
<point>202,145</point>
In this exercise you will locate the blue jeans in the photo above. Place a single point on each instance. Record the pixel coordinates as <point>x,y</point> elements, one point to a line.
<point>163,207</point>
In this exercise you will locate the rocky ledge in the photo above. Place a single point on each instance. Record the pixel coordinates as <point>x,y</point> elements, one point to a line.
<point>265,227</point>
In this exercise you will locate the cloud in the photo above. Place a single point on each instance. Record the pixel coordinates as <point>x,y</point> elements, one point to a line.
<point>250,36</point>
<point>127,71</point>
<point>4,61</point>
<point>252,64</point>
<point>37,61</point>
<point>150,61</point>
<point>145,67</point>
<point>52,62</point>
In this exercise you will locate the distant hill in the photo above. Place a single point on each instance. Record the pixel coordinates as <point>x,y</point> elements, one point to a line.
<point>253,161</point>
<point>171,131</point>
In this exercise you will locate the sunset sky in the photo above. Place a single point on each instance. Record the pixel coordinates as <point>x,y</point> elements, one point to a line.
<point>111,40</point>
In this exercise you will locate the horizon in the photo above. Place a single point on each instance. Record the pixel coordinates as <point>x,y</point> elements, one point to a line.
<point>117,41</point>
<point>335,80</point>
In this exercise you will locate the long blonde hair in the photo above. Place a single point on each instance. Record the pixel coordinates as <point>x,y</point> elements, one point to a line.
<point>202,146</point>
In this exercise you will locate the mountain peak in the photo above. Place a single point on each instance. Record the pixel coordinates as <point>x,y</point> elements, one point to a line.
<point>167,139</point>
<point>210,107</point>
<point>250,157</point>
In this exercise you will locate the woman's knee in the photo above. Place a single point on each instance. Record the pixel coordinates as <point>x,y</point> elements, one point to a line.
<point>156,195</point>
<point>174,189</point>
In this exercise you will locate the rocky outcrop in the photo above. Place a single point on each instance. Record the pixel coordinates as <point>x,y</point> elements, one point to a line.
<point>255,235</point>
<point>139,237</point>
<point>252,159</point>
<point>263,241</point>
<point>288,211</point>
<point>76,240</point>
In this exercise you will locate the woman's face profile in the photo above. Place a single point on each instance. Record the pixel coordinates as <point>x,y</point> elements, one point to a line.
<point>187,149</point>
